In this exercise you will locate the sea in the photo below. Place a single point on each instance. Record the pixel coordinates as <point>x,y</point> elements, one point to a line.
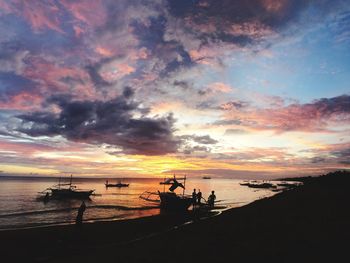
<point>20,206</point>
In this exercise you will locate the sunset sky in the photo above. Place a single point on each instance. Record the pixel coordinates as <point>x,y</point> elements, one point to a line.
<point>237,89</point>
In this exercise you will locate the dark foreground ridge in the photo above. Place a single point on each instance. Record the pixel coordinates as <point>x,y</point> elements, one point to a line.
<point>308,224</point>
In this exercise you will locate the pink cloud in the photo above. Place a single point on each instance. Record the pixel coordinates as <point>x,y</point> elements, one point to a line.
<point>92,13</point>
<point>220,87</point>
<point>51,76</point>
<point>39,14</point>
<point>316,116</point>
<point>23,101</point>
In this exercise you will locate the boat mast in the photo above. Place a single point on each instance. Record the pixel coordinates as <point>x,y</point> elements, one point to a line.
<point>183,191</point>
<point>70,183</point>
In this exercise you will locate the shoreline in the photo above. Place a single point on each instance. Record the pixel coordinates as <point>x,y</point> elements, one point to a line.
<point>309,223</point>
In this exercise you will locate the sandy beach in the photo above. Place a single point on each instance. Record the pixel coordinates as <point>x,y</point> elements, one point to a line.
<point>308,224</point>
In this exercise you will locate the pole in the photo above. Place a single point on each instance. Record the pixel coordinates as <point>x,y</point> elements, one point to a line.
<point>183,191</point>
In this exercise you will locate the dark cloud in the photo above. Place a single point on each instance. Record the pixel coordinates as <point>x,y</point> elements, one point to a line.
<point>196,149</point>
<point>213,20</point>
<point>109,122</point>
<point>205,139</point>
<point>170,53</point>
<point>93,71</point>
<point>234,105</point>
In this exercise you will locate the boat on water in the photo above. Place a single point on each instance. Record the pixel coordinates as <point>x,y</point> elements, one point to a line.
<point>169,200</point>
<point>65,191</point>
<point>119,184</point>
<point>206,177</point>
<point>257,184</point>
<point>261,185</point>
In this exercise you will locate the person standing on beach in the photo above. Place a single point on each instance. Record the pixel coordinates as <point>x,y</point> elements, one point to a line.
<point>194,198</point>
<point>81,210</point>
<point>199,197</point>
<point>211,199</point>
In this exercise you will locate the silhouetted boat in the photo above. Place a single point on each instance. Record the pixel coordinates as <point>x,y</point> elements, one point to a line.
<point>289,184</point>
<point>66,191</point>
<point>170,200</point>
<point>261,185</point>
<point>258,184</point>
<point>206,177</point>
<point>119,184</point>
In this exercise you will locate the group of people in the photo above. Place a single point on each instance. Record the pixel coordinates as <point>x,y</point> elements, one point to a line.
<point>197,198</point>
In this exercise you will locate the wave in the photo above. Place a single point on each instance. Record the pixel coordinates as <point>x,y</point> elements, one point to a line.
<point>49,211</point>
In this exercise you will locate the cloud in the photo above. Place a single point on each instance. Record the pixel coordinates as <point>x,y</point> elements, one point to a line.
<point>40,15</point>
<point>235,131</point>
<point>205,139</point>
<point>111,122</point>
<point>238,22</point>
<point>318,115</point>
<point>12,61</point>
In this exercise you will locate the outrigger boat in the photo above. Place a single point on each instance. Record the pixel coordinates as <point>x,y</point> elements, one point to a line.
<point>170,200</point>
<point>119,184</point>
<point>66,191</point>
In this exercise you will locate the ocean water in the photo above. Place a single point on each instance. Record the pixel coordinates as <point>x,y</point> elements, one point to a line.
<point>20,208</point>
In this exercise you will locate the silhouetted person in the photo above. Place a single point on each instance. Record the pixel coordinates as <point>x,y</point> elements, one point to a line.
<point>199,196</point>
<point>211,199</point>
<point>46,197</point>
<point>194,198</point>
<point>81,210</point>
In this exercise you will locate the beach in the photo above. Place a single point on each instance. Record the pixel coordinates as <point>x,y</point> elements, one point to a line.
<point>310,223</point>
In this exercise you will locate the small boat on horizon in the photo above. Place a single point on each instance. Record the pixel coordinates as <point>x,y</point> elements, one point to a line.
<point>119,184</point>
<point>206,177</point>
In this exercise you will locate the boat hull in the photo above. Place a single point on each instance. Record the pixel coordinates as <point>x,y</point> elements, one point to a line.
<point>172,201</point>
<point>117,185</point>
<point>70,194</point>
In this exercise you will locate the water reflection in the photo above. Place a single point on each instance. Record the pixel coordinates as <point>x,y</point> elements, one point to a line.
<point>19,206</point>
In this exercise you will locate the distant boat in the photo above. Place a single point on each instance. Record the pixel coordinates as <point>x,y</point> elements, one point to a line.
<point>261,185</point>
<point>257,184</point>
<point>289,185</point>
<point>206,177</point>
<point>66,191</point>
<point>119,184</point>
<point>169,200</point>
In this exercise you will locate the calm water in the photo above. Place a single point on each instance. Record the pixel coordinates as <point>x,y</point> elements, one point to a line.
<point>19,206</point>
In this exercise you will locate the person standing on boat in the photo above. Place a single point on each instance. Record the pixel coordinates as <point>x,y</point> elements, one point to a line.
<point>194,198</point>
<point>81,210</point>
<point>199,197</point>
<point>211,199</point>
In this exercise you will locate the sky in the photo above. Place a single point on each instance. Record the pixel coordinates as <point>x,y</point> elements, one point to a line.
<point>148,88</point>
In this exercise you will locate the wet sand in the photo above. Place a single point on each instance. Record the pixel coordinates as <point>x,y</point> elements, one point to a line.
<point>308,224</point>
